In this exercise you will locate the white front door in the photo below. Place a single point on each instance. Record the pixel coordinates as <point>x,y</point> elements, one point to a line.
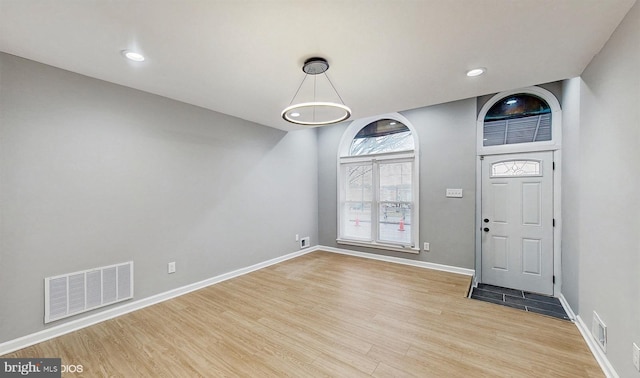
<point>517,221</point>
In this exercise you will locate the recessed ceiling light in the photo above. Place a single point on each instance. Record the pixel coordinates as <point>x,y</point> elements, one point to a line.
<point>132,55</point>
<point>476,72</point>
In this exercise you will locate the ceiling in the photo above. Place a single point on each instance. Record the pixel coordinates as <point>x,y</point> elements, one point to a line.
<point>244,57</point>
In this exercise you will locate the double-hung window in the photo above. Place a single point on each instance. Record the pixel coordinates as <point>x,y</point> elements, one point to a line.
<point>378,186</point>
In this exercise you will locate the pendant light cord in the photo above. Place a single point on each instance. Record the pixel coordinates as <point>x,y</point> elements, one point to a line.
<point>334,88</point>
<point>300,86</point>
<point>315,81</point>
<point>314,88</point>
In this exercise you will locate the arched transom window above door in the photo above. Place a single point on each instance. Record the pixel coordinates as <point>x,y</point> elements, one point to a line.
<point>520,118</point>
<point>528,119</point>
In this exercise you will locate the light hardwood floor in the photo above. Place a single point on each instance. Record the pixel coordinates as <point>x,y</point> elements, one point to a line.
<point>325,314</point>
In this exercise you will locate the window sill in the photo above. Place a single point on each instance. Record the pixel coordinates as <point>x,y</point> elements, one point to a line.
<point>388,247</point>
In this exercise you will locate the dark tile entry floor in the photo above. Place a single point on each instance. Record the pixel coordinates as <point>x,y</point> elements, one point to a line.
<point>520,299</point>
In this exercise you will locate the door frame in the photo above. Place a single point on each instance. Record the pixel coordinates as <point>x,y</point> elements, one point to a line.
<point>554,146</point>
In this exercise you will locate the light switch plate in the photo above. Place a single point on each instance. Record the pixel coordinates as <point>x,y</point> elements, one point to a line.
<point>454,193</point>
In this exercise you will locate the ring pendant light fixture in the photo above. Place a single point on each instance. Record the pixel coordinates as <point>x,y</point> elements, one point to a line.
<point>316,113</point>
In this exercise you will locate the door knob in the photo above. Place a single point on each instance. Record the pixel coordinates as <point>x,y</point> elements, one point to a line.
<point>486,220</point>
<point>486,229</point>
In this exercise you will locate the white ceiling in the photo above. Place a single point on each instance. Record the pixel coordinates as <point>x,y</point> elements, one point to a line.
<point>244,57</point>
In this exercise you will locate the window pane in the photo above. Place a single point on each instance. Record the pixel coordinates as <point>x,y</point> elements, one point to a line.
<point>521,118</point>
<point>520,130</point>
<point>515,168</point>
<point>382,144</point>
<point>395,202</point>
<point>395,223</point>
<point>517,106</point>
<point>359,183</point>
<point>385,135</point>
<point>356,210</point>
<point>395,182</point>
<point>356,220</point>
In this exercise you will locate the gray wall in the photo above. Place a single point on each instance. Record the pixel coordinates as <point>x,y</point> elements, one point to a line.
<point>571,192</point>
<point>93,173</point>
<point>607,207</point>
<point>447,135</point>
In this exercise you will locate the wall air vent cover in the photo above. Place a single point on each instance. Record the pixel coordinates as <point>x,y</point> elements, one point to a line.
<point>599,331</point>
<point>78,292</point>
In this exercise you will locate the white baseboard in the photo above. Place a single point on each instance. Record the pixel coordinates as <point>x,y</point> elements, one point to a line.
<point>74,325</point>
<point>600,356</point>
<point>398,260</point>
<point>585,331</point>
<point>567,308</point>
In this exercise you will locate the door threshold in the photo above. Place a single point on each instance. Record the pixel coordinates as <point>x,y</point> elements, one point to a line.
<point>522,300</point>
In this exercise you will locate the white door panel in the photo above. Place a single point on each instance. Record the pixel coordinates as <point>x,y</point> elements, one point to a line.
<point>517,227</point>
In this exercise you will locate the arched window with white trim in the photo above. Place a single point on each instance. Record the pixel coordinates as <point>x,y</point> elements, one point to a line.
<point>378,184</point>
<point>527,119</point>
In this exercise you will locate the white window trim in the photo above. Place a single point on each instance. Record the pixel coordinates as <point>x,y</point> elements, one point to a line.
<point>344,158</point>
<point>388,247</point>
<point>556,125</point>
<point>387,156</point>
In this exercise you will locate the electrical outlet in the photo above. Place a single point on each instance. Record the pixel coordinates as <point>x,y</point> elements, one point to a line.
<point>171,267</point>
<point>636,356</point>
<point>426,246</point>
<point>304,242</point>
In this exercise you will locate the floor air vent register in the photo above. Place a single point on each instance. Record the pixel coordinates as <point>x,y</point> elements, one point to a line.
<point>78,292</point>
